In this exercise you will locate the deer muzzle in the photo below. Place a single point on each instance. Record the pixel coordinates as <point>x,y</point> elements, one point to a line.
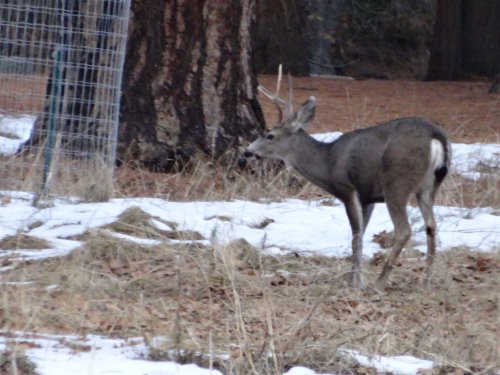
<point>248,154</point>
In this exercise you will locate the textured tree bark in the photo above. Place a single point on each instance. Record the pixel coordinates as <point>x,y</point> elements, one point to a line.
<point>466,39</point>
<point>189,90</point>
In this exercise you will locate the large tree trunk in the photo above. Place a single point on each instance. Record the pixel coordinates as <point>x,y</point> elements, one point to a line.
<point>466,39</point>
<point>189,90</point>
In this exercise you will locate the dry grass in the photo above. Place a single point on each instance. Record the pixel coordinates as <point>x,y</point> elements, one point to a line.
<point>135,222</point>
<point>90,180</point>
<point>15,362</point>
<point>208,182</point>
<point>462,192</point>
<point>23,241</point>
<point>277,183</point>
<point>265,313</point>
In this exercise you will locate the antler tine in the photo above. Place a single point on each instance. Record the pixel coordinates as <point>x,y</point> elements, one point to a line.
<point>275,97</point>
<point>270,95</point>
<point>289,104</point>
<point>278,84</point>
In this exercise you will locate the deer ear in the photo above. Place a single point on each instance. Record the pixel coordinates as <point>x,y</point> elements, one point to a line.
<point>304,116</point>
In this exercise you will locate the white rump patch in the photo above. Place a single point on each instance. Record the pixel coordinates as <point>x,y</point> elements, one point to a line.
<point>437,155</point>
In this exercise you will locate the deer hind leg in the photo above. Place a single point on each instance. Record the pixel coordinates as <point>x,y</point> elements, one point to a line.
<point>396,204</point>
<point>425,201</point>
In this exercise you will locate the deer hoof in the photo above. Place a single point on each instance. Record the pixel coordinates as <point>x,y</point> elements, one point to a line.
<point>355,280</point>
<point>425,283</point>
<point>380,283</point>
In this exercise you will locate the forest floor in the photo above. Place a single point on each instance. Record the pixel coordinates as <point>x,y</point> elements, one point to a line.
<point>464,109</point>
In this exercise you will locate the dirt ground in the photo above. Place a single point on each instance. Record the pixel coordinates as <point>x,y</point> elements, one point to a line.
<point>464,109</point>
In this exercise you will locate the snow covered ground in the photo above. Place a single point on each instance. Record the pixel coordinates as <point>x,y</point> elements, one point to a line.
<point>300,226</point>
<point>56,355</point>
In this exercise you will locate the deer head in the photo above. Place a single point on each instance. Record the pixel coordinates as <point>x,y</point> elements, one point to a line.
<point>277,141</point>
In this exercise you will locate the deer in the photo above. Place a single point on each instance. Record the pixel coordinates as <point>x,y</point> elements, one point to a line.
<point>389,162</point>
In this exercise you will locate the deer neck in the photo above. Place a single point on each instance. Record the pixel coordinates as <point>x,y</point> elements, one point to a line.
<point>310,158</point>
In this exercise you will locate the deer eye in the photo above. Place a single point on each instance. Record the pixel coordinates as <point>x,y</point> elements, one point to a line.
<point>269,136</point>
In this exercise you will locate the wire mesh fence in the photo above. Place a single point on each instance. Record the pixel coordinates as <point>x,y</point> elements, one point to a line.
<point>60,77</point>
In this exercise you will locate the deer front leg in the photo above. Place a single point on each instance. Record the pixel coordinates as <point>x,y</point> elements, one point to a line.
<point>355,214</point>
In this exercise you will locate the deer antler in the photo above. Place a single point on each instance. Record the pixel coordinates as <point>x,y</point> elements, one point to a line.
<point>289,105</point>
<point>275,97</point>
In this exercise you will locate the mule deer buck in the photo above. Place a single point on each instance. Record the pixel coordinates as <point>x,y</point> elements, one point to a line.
<point>385,163</point>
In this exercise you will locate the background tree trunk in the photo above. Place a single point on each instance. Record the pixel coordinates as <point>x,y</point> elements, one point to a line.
<point>189,88</point>
<point>299,34</point>
<point>281,37</point>
<point>466,39</point>
<point>360,38</point>
<point>481,37</point>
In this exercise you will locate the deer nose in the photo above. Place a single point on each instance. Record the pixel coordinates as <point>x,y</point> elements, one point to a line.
<point>242,161</point>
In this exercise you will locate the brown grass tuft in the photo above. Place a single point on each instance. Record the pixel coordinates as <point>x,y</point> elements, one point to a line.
<point>135,222</point>
<point>23,241</point>
<point>208,182</point>
<point>462,192</point>
<point>16,362</point>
